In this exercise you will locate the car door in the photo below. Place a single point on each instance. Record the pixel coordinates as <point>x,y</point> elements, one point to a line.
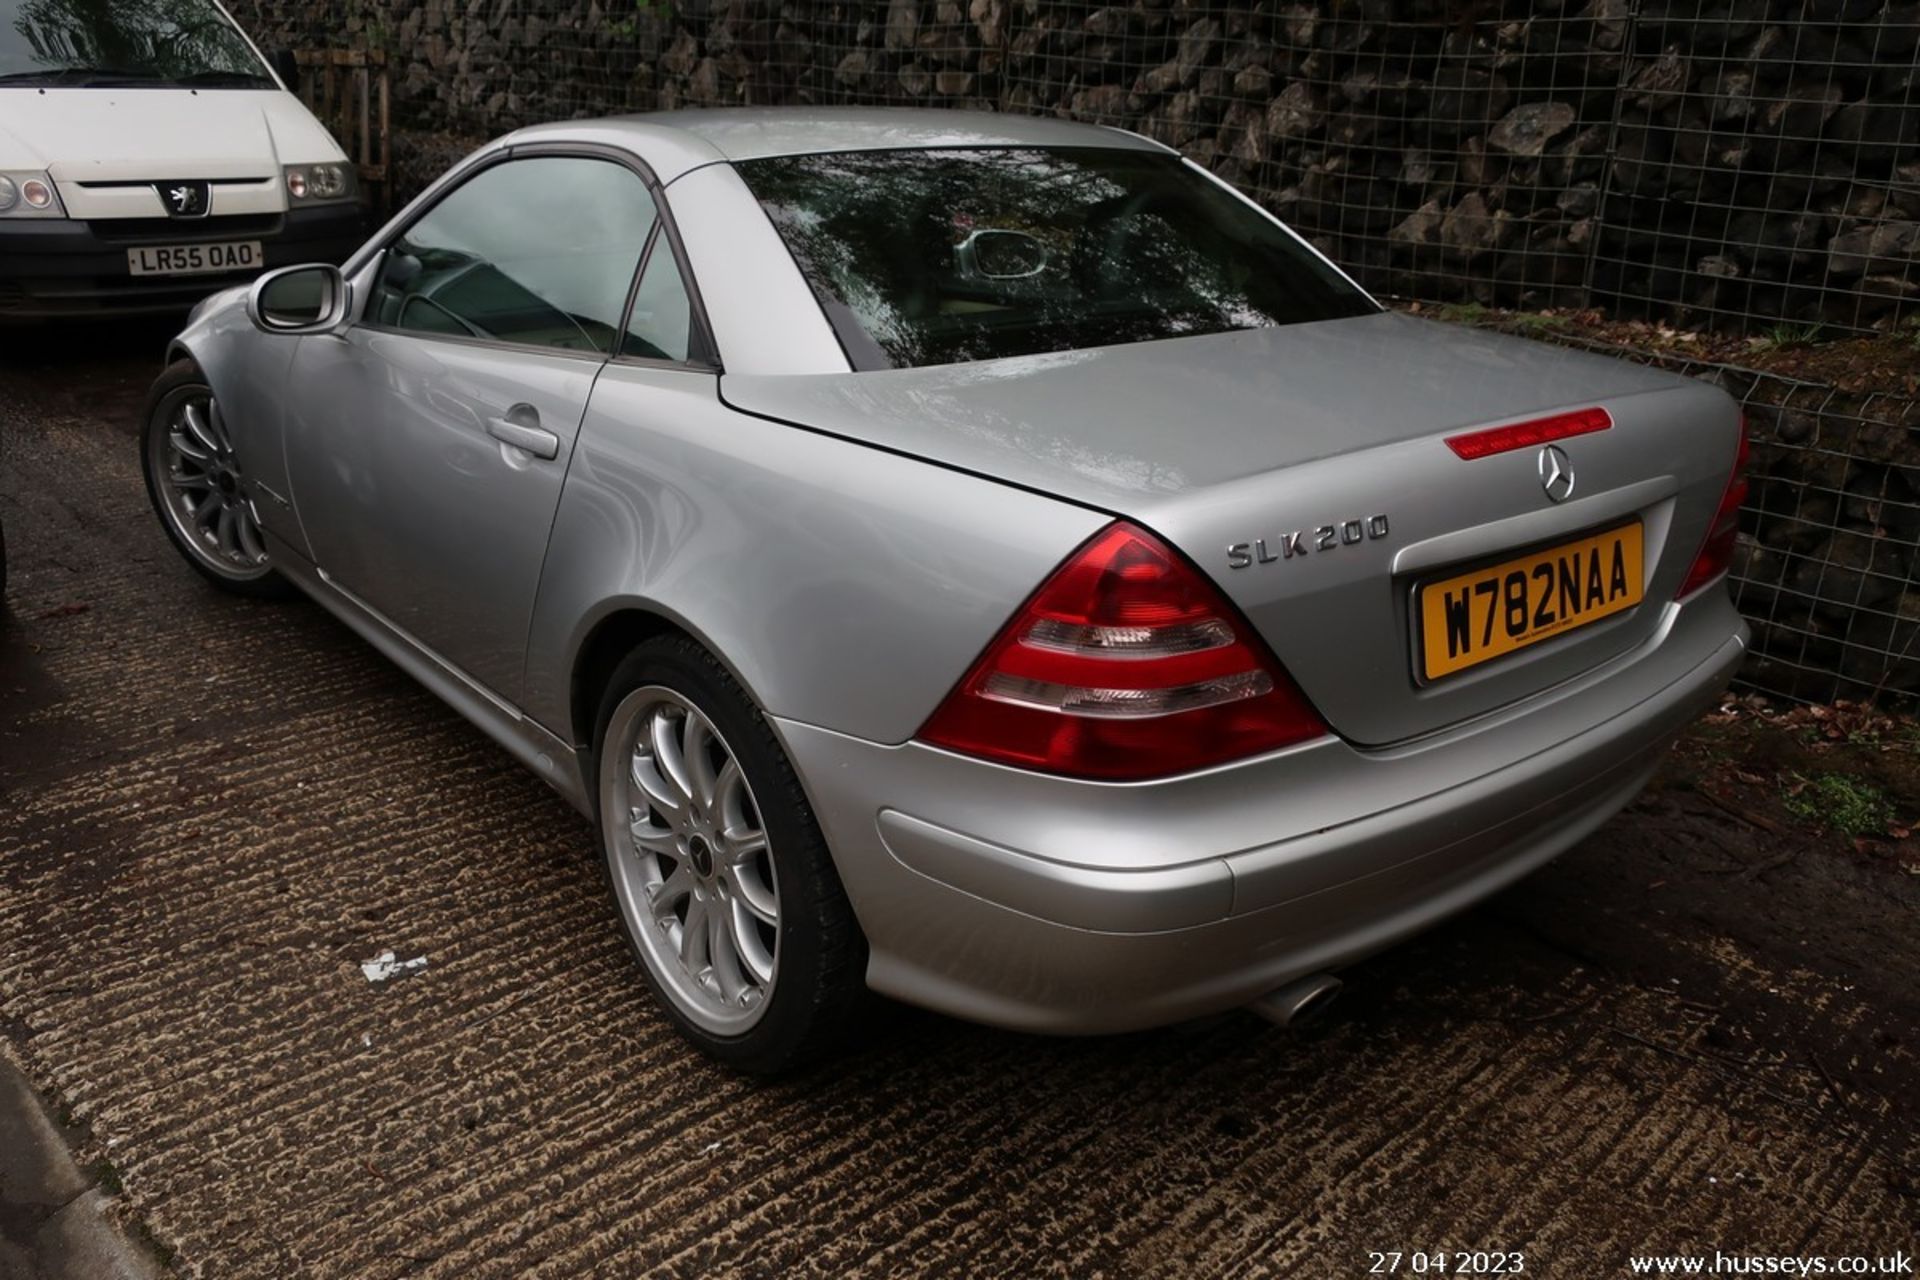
<point>427,443</point>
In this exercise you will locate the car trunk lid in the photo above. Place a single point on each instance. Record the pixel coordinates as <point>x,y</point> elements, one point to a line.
<point>1313,458</point>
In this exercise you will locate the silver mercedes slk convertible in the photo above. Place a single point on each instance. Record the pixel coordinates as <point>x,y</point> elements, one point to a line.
<point>984,560</point>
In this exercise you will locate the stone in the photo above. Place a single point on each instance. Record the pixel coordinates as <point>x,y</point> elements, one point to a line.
<point>704,86</point>
<point>990,20</point>
<point>1609,20</point>
<point>1729,95</point>
<point>1477,168</point>
<point>1470,229</point>
<point>1873,133</point>
<point>1856,571</point>
<point>1106,102</point>
<point>1800,113</point>
<point>1526,130</point>
<point>1795,426</point>
<point>1185,115</point>
<point>915,79</point>
<point>1295,113</point>
<point>681,55</point>
<point>1243,136</point>
<point>852,70</point>
<point>1194,48</point>
<point>903,24</point>
<point>1297,24</point>
<point>1579,200</point>
<point>1659,83</point>
<point>1254,82</point>
<point>1873,247</point>
<point>1352,128</point>
<point>1420,227</point>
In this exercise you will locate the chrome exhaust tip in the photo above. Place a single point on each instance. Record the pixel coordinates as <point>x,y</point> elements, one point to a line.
<point>1299,1002</point>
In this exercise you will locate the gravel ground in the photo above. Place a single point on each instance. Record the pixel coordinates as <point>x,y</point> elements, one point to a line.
<point>1698,1030</point>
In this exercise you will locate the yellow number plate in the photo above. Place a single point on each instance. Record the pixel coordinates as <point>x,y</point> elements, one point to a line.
<point>1488,613</point>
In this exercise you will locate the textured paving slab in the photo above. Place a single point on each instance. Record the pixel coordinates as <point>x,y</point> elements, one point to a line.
<point>56,1222</point>
<point>211,811</point>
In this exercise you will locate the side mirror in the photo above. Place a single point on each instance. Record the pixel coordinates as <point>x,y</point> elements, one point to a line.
<point>287,67</point>
<point>309,299</point>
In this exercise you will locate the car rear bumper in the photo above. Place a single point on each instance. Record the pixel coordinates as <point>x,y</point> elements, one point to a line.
<point>1052,905</point>
<point>55,268</point>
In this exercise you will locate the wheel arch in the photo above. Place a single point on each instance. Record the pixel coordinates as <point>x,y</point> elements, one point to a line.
<point>220,342</point>
<point>605,642</point>
<point>609,641</point>
<point>623,627</point>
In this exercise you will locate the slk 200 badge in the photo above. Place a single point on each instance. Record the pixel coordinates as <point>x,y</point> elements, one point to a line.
<point>1347,533</point>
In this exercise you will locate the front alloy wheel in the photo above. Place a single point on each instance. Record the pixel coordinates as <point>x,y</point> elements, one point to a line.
<point>199,488</point>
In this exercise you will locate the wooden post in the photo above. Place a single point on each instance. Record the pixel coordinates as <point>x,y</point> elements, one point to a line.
<point>344,88</point>
<point>365,152</point>
<point>386,142</point>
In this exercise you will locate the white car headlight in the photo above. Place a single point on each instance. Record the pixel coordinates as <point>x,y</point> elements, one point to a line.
<point>320,183</point>
<point>29,194</point>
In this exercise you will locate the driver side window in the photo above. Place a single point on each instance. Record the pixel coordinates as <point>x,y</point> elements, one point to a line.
<point>537,251</point>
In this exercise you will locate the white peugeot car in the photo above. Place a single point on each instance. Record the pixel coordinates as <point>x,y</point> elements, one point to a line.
<point>149,154</point>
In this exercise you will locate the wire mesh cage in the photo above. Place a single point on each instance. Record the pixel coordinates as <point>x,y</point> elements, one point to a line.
<point>1734,163</point>
<point>1829,536</point>
<point>1743,165</point>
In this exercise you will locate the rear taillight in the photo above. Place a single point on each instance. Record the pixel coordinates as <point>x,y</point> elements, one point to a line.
<point>1126,664</point>
<point>1716,553</point>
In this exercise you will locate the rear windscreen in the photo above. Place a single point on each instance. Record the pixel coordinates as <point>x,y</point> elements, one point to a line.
<point>935,257</point>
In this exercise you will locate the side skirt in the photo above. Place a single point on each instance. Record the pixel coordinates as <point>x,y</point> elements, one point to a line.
<point>551,759</point>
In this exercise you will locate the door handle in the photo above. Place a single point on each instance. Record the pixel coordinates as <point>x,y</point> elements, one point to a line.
<point>520,428</point>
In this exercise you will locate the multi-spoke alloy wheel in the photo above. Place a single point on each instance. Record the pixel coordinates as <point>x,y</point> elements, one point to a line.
<point>723,881</point>
<point>199,488</point>
<point>208,499</point>
<point>693,874</point>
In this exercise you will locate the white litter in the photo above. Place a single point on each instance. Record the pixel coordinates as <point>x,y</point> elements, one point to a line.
<point>384,966</point>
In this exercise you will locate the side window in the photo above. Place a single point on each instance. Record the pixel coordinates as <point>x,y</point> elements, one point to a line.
<point>537,251</point>
<point>662,316</point>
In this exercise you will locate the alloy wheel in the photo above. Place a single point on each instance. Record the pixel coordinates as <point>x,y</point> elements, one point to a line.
<point>203,490</point>
<point>690,861</point>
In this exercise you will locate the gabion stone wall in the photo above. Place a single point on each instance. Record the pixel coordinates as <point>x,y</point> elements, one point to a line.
<point>1727,163</point>
<point>1830,535</point>
<point>1738,163</point>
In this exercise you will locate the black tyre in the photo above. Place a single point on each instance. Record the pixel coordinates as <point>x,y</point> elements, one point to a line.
<point>723,882</point>
<point>199,489</point>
